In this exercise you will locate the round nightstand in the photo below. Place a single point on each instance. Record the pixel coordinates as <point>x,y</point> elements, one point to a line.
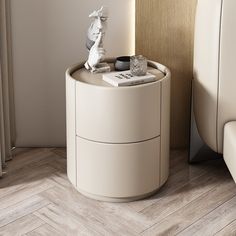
<point>117,137</point>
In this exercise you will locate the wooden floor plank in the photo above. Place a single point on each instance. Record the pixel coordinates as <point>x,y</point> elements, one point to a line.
<point>178,160</point>
<point>37,198</point>
<point>23,208</point>
<point>106,220</point>
<point>45,230</point>
<point>58,163</point>
<point>19,191</point>
<point>195,210</point>
<point>181,197</point>
<point>229,230</point>
<point>24,176</point>
<point>60,179</point>
<point>21,226</point>
<point>59,151</point>
<point>211,223</point>
<point>24,158</point>
<point>65,222</point>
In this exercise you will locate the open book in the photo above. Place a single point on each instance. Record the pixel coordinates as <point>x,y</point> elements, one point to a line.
<point>125,78</point>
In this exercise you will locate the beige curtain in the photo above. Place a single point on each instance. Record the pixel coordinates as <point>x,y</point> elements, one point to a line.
<point>6,94</point>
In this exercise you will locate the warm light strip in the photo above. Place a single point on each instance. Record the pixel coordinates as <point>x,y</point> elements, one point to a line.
<point>132,27</point>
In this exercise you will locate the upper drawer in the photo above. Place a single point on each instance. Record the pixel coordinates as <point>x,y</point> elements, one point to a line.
<point>118,115</point>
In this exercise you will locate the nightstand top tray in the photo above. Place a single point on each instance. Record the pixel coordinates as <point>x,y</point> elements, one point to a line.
<point>80,74</point>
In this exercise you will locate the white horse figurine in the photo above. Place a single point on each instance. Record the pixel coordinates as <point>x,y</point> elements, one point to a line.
<point>94,41</point>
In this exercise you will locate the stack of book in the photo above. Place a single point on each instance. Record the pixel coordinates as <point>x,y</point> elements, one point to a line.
<point>125,78</point>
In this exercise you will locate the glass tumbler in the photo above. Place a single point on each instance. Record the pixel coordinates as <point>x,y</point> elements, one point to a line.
<point>138,65</point>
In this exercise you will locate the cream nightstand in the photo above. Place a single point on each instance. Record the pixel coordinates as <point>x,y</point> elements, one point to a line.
<point>117,138</point>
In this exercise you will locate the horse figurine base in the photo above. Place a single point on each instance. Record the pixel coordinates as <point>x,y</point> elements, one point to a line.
<point>100,68</point>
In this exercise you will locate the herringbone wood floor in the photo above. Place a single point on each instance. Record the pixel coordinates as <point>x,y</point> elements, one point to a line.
<point>36,198</point>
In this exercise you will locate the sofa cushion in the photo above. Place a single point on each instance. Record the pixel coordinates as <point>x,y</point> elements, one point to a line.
<point>229,149</point>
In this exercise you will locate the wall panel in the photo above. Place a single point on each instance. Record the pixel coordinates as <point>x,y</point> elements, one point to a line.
<point>48,36</point>
<point>164,33</point>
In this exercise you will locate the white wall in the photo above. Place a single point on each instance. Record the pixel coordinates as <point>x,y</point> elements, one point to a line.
<point>49,36</point>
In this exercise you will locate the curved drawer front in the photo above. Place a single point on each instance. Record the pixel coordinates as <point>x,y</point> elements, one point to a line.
<point>118,170</point>
<point>118,115</point>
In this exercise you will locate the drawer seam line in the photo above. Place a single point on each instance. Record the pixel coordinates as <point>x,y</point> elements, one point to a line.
<point>102,142</point>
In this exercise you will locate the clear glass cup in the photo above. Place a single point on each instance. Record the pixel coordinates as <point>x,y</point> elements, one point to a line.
<point>138,65</point>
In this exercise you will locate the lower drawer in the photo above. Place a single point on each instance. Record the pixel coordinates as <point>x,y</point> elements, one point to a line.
<point>118,170</point>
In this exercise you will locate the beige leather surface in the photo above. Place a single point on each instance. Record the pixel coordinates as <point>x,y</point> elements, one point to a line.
<point>229,147</point>
<point>71,129</point>
<point>206,66</point>
<point>123,170</point>
<point>227,82</point>
<point>120,150</point>
<point>165,129</point>
<point>118,115</point>
<point>214,62</point>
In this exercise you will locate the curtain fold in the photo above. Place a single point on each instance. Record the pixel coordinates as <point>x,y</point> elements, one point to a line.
<point>6,93</point>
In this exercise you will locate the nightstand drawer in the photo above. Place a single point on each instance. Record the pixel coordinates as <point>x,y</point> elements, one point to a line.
<point>118,170</point>
<point>118,115</point>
